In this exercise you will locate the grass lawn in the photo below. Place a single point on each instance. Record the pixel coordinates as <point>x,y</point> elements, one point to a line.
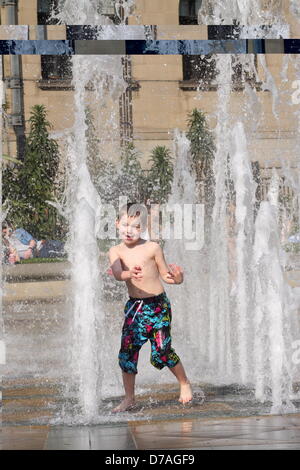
<point>42,260</point>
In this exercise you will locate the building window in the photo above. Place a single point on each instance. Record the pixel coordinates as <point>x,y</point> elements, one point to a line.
<point>60,67</point>
<point>188,11</point>
<point>241,70</point>
<point>244,71</point>
<point>200,68</point>
<point>44,11</point>
<point>56,67</point>
<point>223,32</point>
<point>79,32</point>
<point>45,8</point>
<point>53,67</point>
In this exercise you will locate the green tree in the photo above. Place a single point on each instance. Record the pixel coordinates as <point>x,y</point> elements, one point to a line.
<point>160,175</point>
<point>126,178</point>
<point>202,150</point>
<point>132,182</point>
<point>202,142</point>
<point>28,187</point>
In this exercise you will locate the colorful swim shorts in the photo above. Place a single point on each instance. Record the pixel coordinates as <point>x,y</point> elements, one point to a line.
<point>147,318</point>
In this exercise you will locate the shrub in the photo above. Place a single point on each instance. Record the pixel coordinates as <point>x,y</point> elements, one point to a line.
<point>27,187</point>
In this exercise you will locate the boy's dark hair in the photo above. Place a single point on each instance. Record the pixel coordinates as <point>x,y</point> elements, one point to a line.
<point>134,209</point>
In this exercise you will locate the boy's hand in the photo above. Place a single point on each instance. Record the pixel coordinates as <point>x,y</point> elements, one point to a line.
<point>136,273</point>
<point>175,273</point>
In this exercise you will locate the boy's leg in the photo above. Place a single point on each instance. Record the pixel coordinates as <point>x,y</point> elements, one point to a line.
<point>162,354</point>
<point>185,386</point>
<point>128,401</point>
<point>131,342</point>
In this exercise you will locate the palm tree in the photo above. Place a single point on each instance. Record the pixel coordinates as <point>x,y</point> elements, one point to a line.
<point>12,159</point>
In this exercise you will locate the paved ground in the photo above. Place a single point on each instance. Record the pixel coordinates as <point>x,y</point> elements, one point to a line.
<point>225,420</point>
<point>159,421</point>
<point>263,432</point>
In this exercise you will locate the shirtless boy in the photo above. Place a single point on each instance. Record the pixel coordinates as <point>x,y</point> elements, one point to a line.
<point>141,264</point>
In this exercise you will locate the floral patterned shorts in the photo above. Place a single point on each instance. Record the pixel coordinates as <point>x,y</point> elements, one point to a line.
<point>148,318</point>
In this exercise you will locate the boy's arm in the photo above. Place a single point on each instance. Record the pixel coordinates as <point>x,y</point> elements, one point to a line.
<point>116,267</point>
<point>170,277</point>
<point>118,272</point>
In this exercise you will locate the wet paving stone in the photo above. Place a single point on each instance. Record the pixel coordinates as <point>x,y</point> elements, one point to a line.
<point>34,411</point>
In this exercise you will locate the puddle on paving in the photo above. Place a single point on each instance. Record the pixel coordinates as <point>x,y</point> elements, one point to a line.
<point>35,401</point>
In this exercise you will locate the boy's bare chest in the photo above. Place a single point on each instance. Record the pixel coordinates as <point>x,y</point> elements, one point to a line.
<point>131,258</point>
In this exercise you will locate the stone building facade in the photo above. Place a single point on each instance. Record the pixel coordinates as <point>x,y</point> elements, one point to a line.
<point>162,89</point>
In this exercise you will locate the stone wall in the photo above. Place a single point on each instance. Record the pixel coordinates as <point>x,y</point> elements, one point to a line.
<point>160,101</point>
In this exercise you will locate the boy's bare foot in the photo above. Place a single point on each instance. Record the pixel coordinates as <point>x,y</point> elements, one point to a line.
<point>186,394</point>
<point>125,405</point>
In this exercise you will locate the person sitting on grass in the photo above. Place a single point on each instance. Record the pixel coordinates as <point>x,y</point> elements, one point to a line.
<point>29,247</point>
<point>21,240</point>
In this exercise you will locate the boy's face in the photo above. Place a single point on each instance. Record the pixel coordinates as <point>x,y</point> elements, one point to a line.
<point>129,228</point>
